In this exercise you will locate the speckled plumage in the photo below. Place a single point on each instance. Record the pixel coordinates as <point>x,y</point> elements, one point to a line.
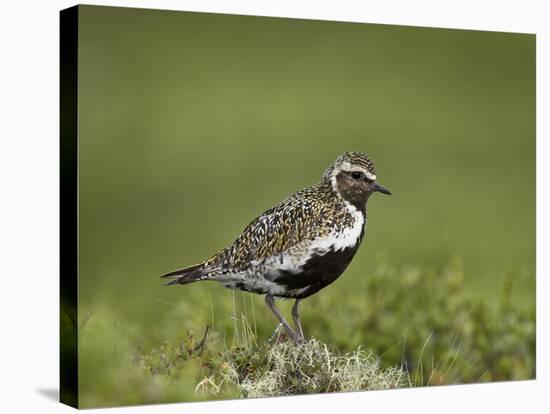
<point>303,243</point>
<point>308,214</point>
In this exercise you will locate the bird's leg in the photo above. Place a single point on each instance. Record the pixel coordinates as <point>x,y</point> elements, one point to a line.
<point>271,305</point>
<point>296,317</point>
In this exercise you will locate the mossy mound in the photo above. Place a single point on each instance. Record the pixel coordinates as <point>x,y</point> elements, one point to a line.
<point>285,368</point>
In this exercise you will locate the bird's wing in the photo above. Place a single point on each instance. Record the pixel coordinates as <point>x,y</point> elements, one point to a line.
<point>295,220</point>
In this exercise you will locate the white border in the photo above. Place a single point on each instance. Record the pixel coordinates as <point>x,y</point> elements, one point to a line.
<point>29,203</point>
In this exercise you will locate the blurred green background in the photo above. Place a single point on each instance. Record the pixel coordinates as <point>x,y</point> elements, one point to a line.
<point>192,124</point>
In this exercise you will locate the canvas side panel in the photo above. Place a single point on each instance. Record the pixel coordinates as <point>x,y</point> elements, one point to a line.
<point>69,206</point>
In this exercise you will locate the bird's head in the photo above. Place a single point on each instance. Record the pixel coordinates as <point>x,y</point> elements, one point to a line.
<point>353,176</point>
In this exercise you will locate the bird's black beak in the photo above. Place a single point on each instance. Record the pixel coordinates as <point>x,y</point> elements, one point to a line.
<point>380,189</point>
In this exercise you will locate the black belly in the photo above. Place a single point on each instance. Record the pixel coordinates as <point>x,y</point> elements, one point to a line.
<point>318,272</point>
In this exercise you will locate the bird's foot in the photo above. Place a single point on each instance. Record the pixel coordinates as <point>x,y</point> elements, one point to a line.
<point>299,340</point>
<point>292,335</point>
<point>296,337</point>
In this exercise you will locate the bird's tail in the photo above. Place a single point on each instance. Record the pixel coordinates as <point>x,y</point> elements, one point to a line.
<point>186,275</point>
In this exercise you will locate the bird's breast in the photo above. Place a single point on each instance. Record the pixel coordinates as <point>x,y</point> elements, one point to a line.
<point>334,250</point>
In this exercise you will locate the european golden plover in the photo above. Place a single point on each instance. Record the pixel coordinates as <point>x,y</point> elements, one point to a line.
<point>301,245</point>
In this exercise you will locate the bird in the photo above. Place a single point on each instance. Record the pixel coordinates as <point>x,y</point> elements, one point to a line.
<point>299,246</point>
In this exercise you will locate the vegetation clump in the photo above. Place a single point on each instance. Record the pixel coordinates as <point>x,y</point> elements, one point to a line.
<point>285,368</point>
<point>270,369</point>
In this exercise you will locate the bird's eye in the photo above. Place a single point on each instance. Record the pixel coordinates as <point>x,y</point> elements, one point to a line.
<point>356,175</point>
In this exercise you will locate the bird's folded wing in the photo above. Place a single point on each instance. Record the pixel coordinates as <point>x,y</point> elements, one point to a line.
<point>271,234</point>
